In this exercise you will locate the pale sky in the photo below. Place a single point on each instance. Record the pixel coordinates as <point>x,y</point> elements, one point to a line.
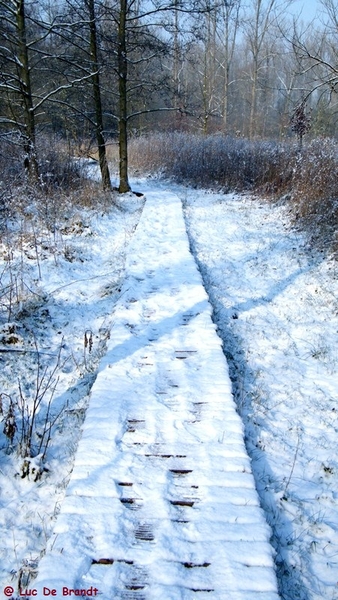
<point>308,8</point>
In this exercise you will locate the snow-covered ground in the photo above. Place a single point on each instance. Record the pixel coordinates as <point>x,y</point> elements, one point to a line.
<point>67,282</point>
<point>275,307</point>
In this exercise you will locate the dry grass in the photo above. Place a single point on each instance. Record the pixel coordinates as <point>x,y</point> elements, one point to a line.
<point>307,181</point>
<point>315,193</point>
<point>215,161</point>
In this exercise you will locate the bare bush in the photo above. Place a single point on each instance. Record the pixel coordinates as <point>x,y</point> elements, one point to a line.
<point>57,167</point>
<point>216,161</point>
<point>315,192</point>
<point>29,417</point>
<point>63,183</point>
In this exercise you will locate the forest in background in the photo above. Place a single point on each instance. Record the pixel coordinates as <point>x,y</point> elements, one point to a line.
<point>85,70</point>
<point>233,87</point>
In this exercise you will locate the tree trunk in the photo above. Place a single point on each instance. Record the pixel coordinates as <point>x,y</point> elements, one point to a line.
<point>252,121</point>
<point>255,48</point>
<point>226,75</point>
<point>231,12</point>
<point>97,100</point>
<point>123,72</point>
<point>30,159</point>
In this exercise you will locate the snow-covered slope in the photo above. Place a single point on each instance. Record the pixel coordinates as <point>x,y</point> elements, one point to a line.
<point>162,502</point>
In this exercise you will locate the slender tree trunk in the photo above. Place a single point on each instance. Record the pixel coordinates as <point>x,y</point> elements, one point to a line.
<point>208,73</point>
<point>176,68</point>
<point>255,47</point>
<point>123,72</point>
<point>30,160</point>
<point>231,11</point>
<point>226,75</point>
<point>205,120</point>
<point>97,99</point>
<point>252,122</point>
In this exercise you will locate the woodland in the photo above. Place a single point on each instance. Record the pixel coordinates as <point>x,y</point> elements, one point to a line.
<point>84,76</point>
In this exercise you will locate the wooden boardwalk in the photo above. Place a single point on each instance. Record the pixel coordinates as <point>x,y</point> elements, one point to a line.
<point>162,503</point>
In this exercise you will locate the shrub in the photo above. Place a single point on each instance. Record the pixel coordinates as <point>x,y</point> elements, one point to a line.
<point>315,192</point>
<point>222,161</point>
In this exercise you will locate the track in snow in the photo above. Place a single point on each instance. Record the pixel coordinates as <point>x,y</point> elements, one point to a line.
<point>162,504</point>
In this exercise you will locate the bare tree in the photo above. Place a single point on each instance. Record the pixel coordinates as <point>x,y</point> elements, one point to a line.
<point>97,97</point>
<point>230,26</point>
<point>77,27</point>
<point>318,51</point>
<point>28,46</point>
<point>209,66</point>
<point>15,83</point>
<point>265,15</point>
<point>207,69</point>
<point>139,26</point>
<point>122,62</point>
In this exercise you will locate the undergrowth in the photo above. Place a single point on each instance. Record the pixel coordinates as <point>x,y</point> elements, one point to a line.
<point>306,181</point>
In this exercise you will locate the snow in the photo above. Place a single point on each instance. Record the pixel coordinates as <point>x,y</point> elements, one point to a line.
<point>275,305</point>
<point>75,293</point>
<point>162,488</point>
<point>161,500</point>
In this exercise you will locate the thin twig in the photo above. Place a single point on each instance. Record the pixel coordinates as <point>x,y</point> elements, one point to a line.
<point>293,465</point>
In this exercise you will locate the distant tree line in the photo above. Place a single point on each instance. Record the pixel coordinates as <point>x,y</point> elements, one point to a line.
<point>102,70</point>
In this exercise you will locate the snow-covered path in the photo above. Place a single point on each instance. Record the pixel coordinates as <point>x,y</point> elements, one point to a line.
<point>162,502</point>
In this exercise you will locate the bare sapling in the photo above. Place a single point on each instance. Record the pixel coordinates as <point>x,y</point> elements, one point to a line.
<point>34,428</point>
<point>87,345</point>
<point>301,123</point>
<point>29,421</point>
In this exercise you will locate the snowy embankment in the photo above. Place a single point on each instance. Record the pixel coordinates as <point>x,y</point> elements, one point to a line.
<point>276,309</point>
<point>161,501</point>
